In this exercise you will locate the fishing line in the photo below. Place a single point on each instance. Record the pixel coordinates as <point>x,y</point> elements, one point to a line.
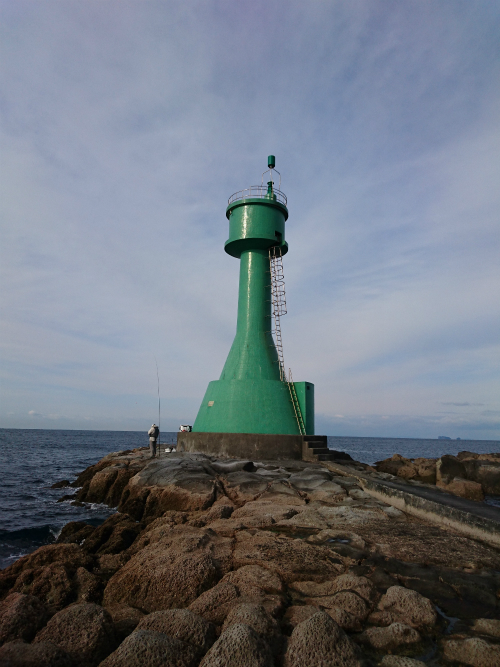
<point>159,428</point>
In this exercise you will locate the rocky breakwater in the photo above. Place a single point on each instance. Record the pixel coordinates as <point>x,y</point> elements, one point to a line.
<point>248,564</point>
<point>467,475</point>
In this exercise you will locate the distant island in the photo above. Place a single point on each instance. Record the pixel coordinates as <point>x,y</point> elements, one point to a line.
<point>443,437</point>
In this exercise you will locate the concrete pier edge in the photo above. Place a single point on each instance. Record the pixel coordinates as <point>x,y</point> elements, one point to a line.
<point>473,519</point>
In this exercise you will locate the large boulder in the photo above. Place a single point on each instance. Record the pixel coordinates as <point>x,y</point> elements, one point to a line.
<point>172,572</point>
<point>409,607</point>
<point>390,637</point>
<point>447,468</point>
<point>181,624</point>
<point>250,583</point>
<point>115,535</point>
<point>48,574</point>
<point>465,488</point>
<point>487,626</point>
<point>255,616</point>
<point>239,646</point>
<point>291,559</point>
<point>147,648</point>
<point>319,642</point>
<point>473,651</point>
<point>21,616</point>
<point>44,654</point>
<point>125,619</point>
<point>484,472</point>
<point>180,484</point>
<point>85,631</point>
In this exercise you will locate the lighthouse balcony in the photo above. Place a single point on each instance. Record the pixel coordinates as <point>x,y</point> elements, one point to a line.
<point>258,192</point>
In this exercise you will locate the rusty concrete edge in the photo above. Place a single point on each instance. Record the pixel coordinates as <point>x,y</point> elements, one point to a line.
<point>479,528</point>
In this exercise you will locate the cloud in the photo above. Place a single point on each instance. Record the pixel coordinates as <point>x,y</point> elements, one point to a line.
<point>126,128</point>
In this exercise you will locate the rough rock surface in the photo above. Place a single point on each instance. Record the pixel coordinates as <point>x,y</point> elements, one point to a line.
<point>181,624</point>
<point>319,642</point>
<point>172,572</point>
<point>21,616</point>
<point>409,607</point>
<point>473,651</point>
<point>147,648</point>
<point>44,654</point>
<point>239,646</point>
<point>276,557</point>
<point>85,631</point>
<point>394,635</point>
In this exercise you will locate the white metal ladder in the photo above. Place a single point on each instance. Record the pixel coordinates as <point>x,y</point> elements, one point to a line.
<point>278,300</point>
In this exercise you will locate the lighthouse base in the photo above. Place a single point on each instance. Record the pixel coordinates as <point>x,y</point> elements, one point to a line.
<point>253,446</point>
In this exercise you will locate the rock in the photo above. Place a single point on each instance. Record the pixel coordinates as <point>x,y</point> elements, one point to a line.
<point>239,646</point>
<point>464,488</point>
<point>447,468</point>
<point>179,484</point>
<point>350,517</point>
<point>487,626</point>
<point>263,513</point>
<point>472,651</point>
<point>400,661</point>
<point>217,512</point>
<point>214,604</point>
<point>306,518</point>
<point>85,631</point>
<point>328,492</point>
<point>296,614</point>
<point>359,494</point>
<point>292,560</point>
<point>60,485</point>
<point>396,634</point>
<point>466,455</point>
<point>341,536</point>
<point>115,535</point>
<point>407,471</point>
<point>21,616</point>
<point>391,465</point>
<point>75,532</point>
<point>100,484</point>
<point>255,616</point>
<point>44,654</point>
<point>89,587</point>
<point>409,607</point>
<point>242,487</point>
<point>146,648</point>
<point>172,572</point>
<point>426,469</point>
<point>125,619</point>
<point>345,582</point>
<point>225,467</point>
<point>486,473</point>
<point>251,578</point>
<point>319,642</point>
<point>283,492</point>
<point>181,624</point>
<point>48,573</point>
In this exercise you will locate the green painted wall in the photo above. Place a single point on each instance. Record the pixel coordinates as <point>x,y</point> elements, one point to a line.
<point>249,396</point>
<point>305,394</point>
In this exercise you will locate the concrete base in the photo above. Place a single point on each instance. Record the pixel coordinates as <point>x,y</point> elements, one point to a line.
<point>253,446</point>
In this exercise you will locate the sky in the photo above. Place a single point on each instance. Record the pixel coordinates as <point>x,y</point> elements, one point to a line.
<point>125,127</point>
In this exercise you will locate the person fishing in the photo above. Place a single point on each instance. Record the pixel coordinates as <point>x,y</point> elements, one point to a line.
<point>153,433</point>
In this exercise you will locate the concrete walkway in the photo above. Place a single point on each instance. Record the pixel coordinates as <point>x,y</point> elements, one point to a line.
<point>474,519</point>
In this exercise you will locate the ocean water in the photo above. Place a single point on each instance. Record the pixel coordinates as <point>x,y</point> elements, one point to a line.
<point>32,460</point>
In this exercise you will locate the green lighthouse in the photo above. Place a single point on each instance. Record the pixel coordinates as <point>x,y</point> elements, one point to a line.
<point>254,393</point>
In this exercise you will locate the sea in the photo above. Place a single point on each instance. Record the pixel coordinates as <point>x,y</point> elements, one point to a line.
<point>34,459</point>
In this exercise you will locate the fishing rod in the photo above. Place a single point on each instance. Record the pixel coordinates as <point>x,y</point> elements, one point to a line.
<point>159,427</point>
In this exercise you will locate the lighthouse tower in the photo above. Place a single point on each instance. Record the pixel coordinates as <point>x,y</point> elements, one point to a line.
<point>254,394</point>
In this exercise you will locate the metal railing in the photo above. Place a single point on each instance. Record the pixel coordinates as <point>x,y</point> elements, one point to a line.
<point>258,192</point>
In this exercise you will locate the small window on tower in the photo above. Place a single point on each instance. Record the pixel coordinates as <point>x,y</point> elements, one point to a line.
<point>278,236</point>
